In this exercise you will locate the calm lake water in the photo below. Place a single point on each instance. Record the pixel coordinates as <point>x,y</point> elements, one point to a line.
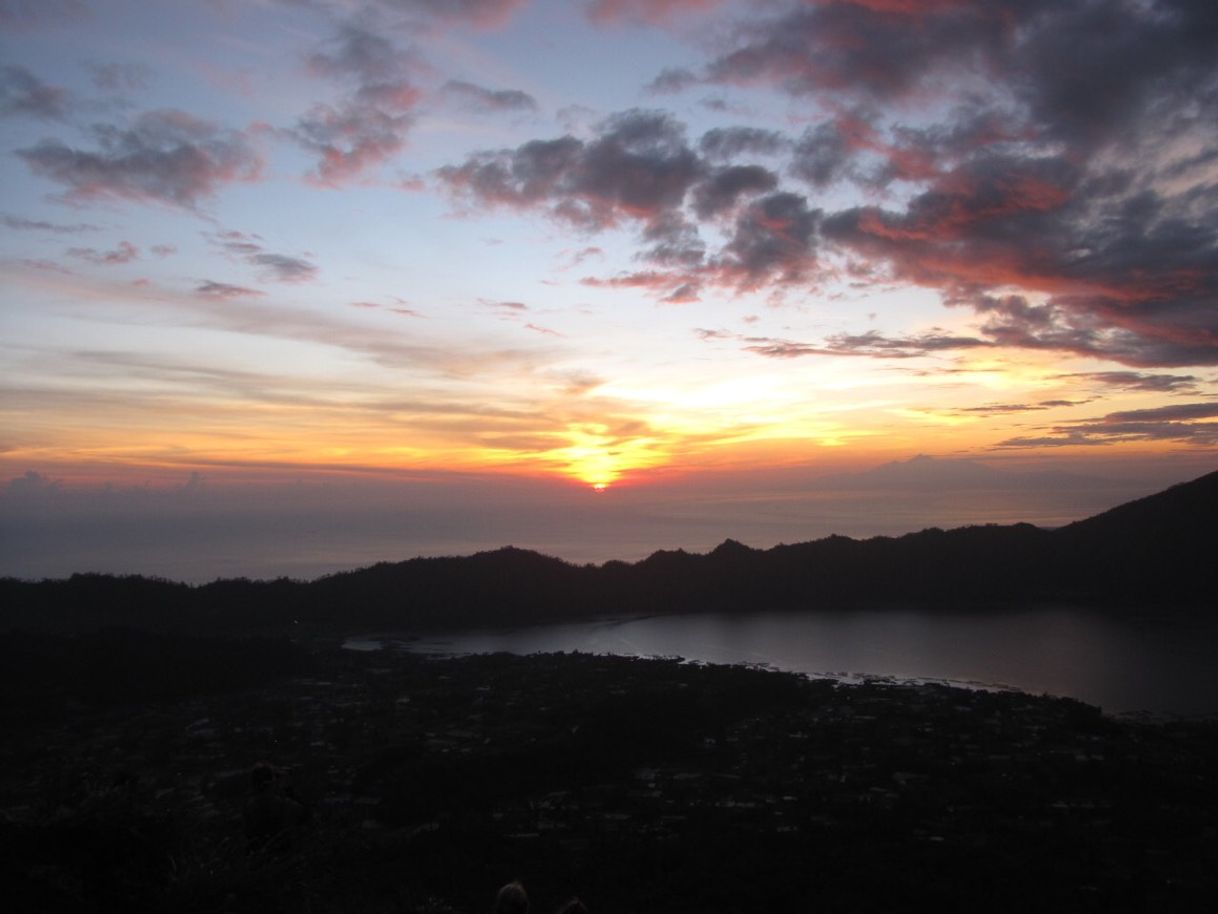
<point>1122,665</point>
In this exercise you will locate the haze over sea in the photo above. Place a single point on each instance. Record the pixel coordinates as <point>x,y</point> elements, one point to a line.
<point>196,533</point>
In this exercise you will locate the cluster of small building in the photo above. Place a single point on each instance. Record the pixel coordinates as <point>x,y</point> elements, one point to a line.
<point>576,757</point>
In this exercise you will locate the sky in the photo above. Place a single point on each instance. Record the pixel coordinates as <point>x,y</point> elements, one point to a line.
<point>295,285</point>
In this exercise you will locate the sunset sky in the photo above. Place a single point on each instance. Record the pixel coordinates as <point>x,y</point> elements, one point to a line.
<point>593,276</point>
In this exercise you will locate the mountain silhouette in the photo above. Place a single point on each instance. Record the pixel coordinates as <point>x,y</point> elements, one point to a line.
<point>1154,551</point>
<point>1163,544</point>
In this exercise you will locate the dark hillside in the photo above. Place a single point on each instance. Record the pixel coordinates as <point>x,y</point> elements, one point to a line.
<point>1161,545</point>
<point>1158,550</point>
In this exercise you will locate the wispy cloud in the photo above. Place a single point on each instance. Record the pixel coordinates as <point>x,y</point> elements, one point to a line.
<point>214,289</point>
<point>479,98</point>
<point>1183,422</point>
<point>283,268</point>
<point>23,93</point>
<point>127,76</point>
<point>1133,380</point>
<point>273,267</point>
<point>871,345</point>
<point>21,224</point>
<point>124,253</point>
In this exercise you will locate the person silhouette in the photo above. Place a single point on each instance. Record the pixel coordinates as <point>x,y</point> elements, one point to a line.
<point>512,899</point>
<point>273,817</point>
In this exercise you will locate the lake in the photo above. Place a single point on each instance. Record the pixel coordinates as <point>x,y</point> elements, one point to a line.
<point>1161,666</point>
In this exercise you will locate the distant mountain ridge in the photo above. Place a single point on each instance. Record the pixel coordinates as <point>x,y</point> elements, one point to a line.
<point>1157,550</point>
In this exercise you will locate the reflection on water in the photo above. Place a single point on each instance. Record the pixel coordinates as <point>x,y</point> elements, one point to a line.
<point>1121,665</point>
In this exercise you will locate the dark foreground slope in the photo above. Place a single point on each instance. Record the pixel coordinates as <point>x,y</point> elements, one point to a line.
<point>648,786</point>
<point>1157,550</point>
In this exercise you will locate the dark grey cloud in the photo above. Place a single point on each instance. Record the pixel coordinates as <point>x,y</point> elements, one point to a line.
<point>1122,331</point>
<point>729,142</point>
<point>213,289</point>
<point>1179,422</point>
<point>1173,413</point>
<point>725,186</point>
<point>283,268</point>
<point>637,167</point>
<point>822,155</point>
<point>877,50</point>
<point>1015,323</point>
<point>165,156</point>
<point>125,252</point>
<point>1039,163</point>
<point>1130,275</point>
<point>1133,380</point>
<point>774,242</point>
<point>1072,157</point>
<point>480,98</point>
<point>672,241</point>
<point>1089,71</point>
<point>370,124</point>
<point>534,174</point>
<point>23,93</point>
